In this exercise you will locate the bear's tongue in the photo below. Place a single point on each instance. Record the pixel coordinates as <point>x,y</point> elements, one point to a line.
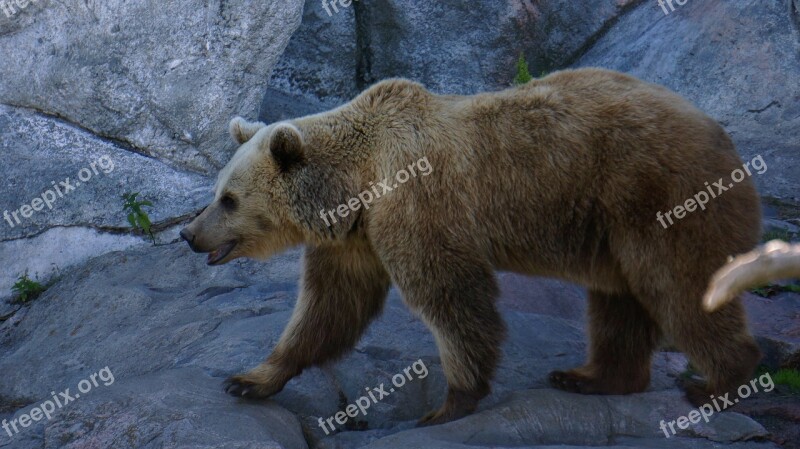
<point>213,256</point>
<point>220,253</point>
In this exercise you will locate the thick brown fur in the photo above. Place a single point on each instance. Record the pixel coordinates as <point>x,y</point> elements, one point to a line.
<point>562,177</point>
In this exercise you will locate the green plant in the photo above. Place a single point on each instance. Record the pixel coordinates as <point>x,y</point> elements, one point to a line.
<point>778,234</point>
<point>788,377</point>
<point>763,291</point>
<point>26,289</point>
<point>767,291</point>
<point>523,72</point>
<point>138,218</point>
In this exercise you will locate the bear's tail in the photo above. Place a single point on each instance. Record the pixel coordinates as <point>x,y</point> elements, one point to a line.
<point>773,261</point>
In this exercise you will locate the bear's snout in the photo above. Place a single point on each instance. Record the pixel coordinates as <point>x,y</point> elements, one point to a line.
<point>189,236</point>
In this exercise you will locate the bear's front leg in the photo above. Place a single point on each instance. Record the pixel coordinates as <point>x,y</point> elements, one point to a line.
<point>344,287</point>
<point>455,295</point>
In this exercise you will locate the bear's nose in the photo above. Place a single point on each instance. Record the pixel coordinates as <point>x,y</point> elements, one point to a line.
<point>187,235</point>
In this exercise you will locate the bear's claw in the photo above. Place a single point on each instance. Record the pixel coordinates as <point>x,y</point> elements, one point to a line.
<point>242,387</point>
<point>458,405</point>
<point>567,382</point>
<point>696,391</point>
<point>236,386</point>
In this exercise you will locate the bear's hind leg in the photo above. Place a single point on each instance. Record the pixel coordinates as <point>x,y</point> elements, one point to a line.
<point>718,344</point>
<point>344,287</point>
<point>622,338</point>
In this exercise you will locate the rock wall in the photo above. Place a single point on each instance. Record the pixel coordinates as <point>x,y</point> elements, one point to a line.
<point>149,84</point>
<point>737,60</point>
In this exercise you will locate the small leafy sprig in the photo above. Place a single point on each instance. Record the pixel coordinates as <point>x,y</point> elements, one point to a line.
<point>27,289</point>
<point>138,218</point>
<point>523,72</point>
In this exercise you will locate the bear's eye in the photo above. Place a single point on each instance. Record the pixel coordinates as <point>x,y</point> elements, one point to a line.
<point>228,202</point>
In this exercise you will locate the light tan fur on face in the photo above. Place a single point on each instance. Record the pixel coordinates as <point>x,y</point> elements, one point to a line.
<point>260,223</point>
<point>241,130</point>
<point>561,177</point>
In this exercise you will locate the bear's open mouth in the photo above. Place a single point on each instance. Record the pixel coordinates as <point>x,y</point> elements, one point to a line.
<point>216,256</point>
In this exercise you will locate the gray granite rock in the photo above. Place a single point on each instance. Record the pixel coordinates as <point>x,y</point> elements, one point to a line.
<point>171,329</point>
<point>332,57</point>
<point>428,42</point>
<point>548,418</point>
<point>322,58</point>
<point>163,78</point>
<point>77,180</point>
<point>738,61</point>
<point>172,408</point>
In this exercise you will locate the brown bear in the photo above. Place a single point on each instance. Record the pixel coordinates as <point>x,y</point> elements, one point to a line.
<point>568,176</point>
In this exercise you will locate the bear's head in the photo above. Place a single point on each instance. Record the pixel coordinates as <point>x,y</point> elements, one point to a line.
<point>251,214</point>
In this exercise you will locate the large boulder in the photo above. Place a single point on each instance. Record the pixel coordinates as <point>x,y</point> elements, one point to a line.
<point>162,78</point>
<point>147,87</point>
<point>738,61</point>
<point>451,47</point>
<point>321,60</point>
<point>77,180</point>
<point>431,43</point>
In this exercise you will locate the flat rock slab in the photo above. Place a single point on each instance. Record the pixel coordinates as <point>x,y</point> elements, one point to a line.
<point>776,321</point>
<point>172,408</point>
<point>171,329</point>
<point>548,418</point>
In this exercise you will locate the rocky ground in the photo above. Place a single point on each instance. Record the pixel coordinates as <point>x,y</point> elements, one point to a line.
<point>151,85</point>
<point>170,329</point>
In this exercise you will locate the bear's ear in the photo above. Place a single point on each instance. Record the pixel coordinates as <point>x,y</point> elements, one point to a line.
<point>241,130</point>
<point>286,146</point>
